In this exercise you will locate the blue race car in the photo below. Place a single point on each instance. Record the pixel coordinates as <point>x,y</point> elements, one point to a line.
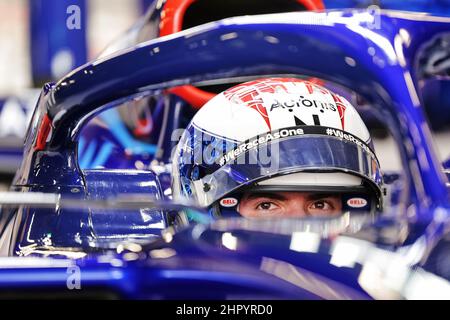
<point>69,228</point>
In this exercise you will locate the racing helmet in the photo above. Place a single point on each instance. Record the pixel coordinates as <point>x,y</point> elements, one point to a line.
<point>276,134</point>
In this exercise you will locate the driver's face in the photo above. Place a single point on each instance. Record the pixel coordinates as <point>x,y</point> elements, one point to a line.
<point>289,204</point>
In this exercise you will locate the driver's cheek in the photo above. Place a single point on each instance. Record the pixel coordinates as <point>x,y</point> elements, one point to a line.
<point>322,213</point>
<point>278,212</point>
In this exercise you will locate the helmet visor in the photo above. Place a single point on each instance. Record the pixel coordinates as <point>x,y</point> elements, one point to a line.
<point>255,160</point>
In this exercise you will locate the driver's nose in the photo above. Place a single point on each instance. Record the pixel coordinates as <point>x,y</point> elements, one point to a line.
<point>295,205</point>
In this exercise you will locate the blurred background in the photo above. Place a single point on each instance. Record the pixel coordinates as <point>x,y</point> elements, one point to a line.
<point>42,40</point>
<point>37,46</point>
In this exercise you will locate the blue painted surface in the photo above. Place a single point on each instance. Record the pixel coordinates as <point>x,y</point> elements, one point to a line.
<point>199,255</point>
<point>144,5</point>
<point>50,36</point>
<point>438,7</point>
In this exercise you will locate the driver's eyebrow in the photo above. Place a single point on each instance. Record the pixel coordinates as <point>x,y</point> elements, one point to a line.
<point>275,196</point>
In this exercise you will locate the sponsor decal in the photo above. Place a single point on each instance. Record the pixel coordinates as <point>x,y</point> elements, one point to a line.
<point>259,140</point>
<point>228,202</point>
<point>251,93</point>
<point>357,202</point>
<point>349,137</point>
<point>291,132</point>
<point>301,101</point>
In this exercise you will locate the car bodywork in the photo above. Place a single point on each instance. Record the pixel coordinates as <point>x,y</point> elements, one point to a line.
<point>234,258</point>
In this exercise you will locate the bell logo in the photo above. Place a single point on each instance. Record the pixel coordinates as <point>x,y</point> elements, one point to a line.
<point>228,202</point>
<point>356,202</point>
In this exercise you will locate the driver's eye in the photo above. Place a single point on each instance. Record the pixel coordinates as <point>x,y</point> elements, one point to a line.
<point>266,206</point>
<point>321,205</point>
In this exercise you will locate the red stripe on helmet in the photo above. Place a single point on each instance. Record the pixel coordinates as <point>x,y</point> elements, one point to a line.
<point>341,108</point>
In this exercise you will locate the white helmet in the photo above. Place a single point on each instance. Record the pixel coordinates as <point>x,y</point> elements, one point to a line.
<point>276,134</point>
